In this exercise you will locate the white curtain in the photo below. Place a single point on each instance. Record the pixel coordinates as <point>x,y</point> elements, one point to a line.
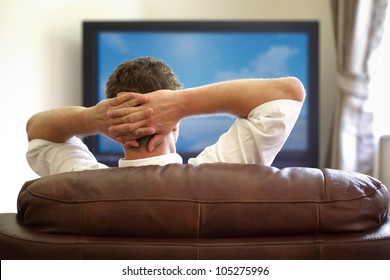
<point>358,28</point>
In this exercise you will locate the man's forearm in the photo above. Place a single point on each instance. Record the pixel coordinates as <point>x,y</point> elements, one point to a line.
<point>59,125</point>
<point>238,97</point>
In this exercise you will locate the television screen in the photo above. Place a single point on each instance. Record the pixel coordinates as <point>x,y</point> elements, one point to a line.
<point>201,53</point>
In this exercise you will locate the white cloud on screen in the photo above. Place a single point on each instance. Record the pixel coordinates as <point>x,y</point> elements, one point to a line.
<point>272,63</point>
<point>117,42</point>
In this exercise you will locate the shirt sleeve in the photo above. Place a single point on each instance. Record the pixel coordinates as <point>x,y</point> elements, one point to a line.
<point>256,139</point>
<point>47,158</point>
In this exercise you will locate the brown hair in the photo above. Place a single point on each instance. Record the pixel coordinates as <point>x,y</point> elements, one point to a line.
<point>141,75</point>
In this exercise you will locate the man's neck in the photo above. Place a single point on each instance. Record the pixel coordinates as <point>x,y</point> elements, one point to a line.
<point>140,153</point>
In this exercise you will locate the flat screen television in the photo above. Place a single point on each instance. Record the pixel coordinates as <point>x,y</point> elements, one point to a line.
<point>203,52</point>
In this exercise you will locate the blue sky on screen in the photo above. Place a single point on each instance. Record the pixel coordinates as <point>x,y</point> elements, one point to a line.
<point>200,58</point>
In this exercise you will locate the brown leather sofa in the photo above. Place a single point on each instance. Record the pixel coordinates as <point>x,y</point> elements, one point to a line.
<point>213,211</point>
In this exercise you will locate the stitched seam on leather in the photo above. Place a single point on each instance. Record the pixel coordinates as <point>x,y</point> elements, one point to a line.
<point>324,184</point>
<point>319,219</point>
<point>87,242</point>
<point>201,201</point>
<point>82,229</point>
<point>76,186</point>
<point>319,244</point>
<point>81,221</point>
<point>81,249</point>
<point>199,218</point>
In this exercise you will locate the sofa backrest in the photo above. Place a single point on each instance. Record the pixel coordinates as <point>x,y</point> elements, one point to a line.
<point>207,201</point>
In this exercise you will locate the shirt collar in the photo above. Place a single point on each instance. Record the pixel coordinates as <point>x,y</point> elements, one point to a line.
<point>158,160</point>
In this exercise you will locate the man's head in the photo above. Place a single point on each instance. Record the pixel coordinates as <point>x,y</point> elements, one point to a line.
<point>141,75</point>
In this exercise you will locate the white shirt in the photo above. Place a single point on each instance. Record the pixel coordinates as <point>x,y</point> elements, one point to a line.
<point>256,139</point>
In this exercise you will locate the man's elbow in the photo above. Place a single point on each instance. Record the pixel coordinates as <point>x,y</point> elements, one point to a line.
<point>30,128</point>
<point>296,90</point>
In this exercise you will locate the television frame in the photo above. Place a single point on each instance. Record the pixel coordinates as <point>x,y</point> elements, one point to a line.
<point>91,29</point>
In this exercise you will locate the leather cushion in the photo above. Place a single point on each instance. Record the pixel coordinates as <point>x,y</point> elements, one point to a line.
<point>207,201</point>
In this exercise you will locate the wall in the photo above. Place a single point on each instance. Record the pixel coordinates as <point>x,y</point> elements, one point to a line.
<point>40,54</point>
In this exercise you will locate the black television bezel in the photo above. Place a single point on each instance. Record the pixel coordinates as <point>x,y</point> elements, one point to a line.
<point>308,158</point>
